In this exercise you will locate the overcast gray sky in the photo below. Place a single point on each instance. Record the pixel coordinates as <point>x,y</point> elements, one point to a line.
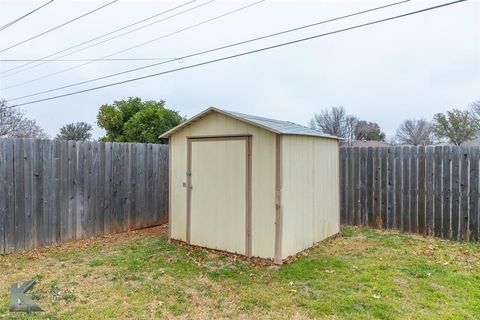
<point>412,67</point>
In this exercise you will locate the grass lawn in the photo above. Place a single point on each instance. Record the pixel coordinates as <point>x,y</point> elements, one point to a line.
<point>362,274</point>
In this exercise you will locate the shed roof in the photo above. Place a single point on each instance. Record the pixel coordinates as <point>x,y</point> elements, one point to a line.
<point>276,126</point>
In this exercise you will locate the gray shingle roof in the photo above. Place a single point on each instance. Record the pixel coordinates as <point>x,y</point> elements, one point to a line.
<point>277,126</point>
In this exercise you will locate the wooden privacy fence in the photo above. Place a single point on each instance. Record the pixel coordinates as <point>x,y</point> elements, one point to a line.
<point>53,191</point>
<point>426,190</point>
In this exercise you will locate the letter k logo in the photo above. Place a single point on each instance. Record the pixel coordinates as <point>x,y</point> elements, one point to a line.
<point>19,302</point>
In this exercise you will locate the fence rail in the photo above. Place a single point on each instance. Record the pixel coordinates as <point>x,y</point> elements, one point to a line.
<point>53,191</point>
<point>426,190</point>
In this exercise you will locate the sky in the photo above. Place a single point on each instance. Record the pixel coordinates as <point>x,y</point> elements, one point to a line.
<point>412,67</point>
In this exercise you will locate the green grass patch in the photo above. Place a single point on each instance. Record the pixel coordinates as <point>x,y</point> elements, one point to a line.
<point>363,274</point>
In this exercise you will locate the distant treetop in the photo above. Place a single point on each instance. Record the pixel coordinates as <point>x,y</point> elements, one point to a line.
<point>79,131</point>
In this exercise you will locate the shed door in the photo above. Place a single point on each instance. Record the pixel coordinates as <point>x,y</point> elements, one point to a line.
<point>218,193</point>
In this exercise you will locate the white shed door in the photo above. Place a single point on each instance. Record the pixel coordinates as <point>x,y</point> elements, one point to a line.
<point>218,194</point>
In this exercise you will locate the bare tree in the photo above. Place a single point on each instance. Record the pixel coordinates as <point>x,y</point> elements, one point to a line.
<point>475,112</point>
<point>392,140</point>
<point>350,129</point>
<point>415,132</point>
<point>335,121</point>
<point>14,123</point>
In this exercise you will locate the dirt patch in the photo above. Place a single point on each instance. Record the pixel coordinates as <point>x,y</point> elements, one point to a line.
<point>161,230</point>
<point>352,245</point>
<point>401,282</point>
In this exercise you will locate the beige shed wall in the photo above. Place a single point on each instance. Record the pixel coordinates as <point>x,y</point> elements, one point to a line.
<point>263,178</point>
<point>310,193</point>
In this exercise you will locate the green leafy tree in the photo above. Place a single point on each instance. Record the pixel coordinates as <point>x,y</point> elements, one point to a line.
<point>79,131</point>
<point>135,120</point>
<point>366,130</point>
<point>457,126</point>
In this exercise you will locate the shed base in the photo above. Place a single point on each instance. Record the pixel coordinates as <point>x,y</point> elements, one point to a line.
<point>256,260</point>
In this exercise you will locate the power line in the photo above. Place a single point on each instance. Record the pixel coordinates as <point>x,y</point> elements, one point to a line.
<point>215,49</point>
<point>57,27</point>
<point>24,16</point>
<point>138,45</point>
<point>94,59</point>
<point>90,40</point>
<point>243,53</point>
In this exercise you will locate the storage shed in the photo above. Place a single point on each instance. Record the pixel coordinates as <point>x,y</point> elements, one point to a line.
<point>250,185</point>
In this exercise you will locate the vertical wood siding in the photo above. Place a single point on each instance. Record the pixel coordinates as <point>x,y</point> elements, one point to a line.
<point>426,190</point>
<point>310,193</point>
<point>56,191</point>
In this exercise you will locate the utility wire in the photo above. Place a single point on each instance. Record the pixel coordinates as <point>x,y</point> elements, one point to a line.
<point>24,16</point>
<point>138,45</point>
<point>243,53</point>
<point>95,59</point>
<point>90,40</point>
<point>214,49</point>
<point>57,27</point>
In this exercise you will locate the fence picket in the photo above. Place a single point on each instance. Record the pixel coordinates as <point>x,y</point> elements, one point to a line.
<point>447,189</point>
<point>377,167</point>
<point>455,193</point>
<point>391,188</point>
<point>343,185</point>
<point>438,192</point>
<point>398,187</point>
<point>3,197</point>
<point>426,190</point>
<point>406,190</point>
<point>464,167</point>
<point>370,195</point>
<point>413,195</point>
<point>350,200</point>
<point>363,185</point>
<point>473,195</point>
<point>421,190</point>
<point>429,190</point>
<point>9,230</point>
<point>384,186</point>
<point>356,188</point>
